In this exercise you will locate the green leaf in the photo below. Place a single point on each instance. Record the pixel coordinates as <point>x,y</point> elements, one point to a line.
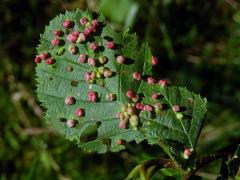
<point>134,174</point>
<point>166,126</point>
<point>98,128</point>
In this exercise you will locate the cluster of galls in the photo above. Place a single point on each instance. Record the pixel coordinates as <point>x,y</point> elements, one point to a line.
<point>75,36</point>
<point>99,73</point>
<point>129,115</point>
<point>72,37</point>
<point>46,57</point>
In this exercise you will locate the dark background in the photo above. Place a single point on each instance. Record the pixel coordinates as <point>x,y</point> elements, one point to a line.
<point>197,42</point>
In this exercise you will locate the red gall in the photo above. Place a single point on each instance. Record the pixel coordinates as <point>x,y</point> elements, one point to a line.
<point>110,44</point>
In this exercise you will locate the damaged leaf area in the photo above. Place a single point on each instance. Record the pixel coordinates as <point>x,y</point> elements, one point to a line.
<point>98,90</point>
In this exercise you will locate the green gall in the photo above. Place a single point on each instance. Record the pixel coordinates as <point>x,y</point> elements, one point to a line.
<point>102,59</point>
<point>134,120</point>
<point>60,51</point>
<point>179,116</point>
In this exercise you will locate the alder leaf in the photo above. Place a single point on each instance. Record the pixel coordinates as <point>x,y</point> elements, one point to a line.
<point>91,80</point>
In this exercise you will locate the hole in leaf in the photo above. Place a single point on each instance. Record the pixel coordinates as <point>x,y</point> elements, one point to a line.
<point>140,96</point>
<point>166,128</point>
<point>165,106</point>
<point>187,117</point>
<point>62,119</point>
<point>91,38</point>
<point>61,34</point>
<point>128,61</point>
<point>94,15</point>
<point>51,78</point>
<point>118,46</point>
<point>107,142</point>
<point>69,69</point>
<point>160,96</point>
<point>183,109</point>
<point>74,83</point>
<point>98,124</point>
<point>113,74</point>
<point>100,49</point>
<point>108,38</point>
<point>68,31</point>
<point>62,42</point>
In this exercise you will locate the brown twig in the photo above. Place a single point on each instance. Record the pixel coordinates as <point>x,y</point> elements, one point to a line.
<point>208,158</point>
<point>216,155</point>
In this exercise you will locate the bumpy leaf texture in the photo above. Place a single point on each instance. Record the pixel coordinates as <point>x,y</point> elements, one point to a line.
<point>97,88</point>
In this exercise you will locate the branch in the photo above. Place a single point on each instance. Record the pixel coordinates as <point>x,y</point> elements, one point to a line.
<point>208,158</point>
<point>216,155</point>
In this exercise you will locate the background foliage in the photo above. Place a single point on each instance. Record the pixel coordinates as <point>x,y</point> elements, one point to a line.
<point>198,45</point>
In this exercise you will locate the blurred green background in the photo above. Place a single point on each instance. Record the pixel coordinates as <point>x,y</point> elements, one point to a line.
<point>197,42</point>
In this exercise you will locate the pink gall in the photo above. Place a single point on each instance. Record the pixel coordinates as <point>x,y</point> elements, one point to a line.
<point>107,73</point>
<point>83,21</point>
<point>72,37</point>
<point>120,142</point>
<point>92,96</point>
<point>87,31</point>
<point>155,95</point>
<point>139,106</point>
<point>158,106</point>
<point>57,32</point>
<point>91,62</point>
<point>49,61</point>
<point>70,123</point>
<point>44,55</point>
<point>187,153</point>
<point>148,108</point>
<point>70,100</point>
<point>176,108</point>
<point>95,22</point>
<point>67,23</point>
<point>55,42</point>
<point>72,49</point>
<point>162,82</point>
<point>79,112</point>
<point>82,58</point>
<point>130,94</point>
<point>151,80</point>
<point>93,46</point>
<point>137,76</point>
<point>120,59</point>
<point>87,76</point>
<point>122,124</point>
<point>92,28</point>
<point>110,44</point>
<point>154,60</point>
